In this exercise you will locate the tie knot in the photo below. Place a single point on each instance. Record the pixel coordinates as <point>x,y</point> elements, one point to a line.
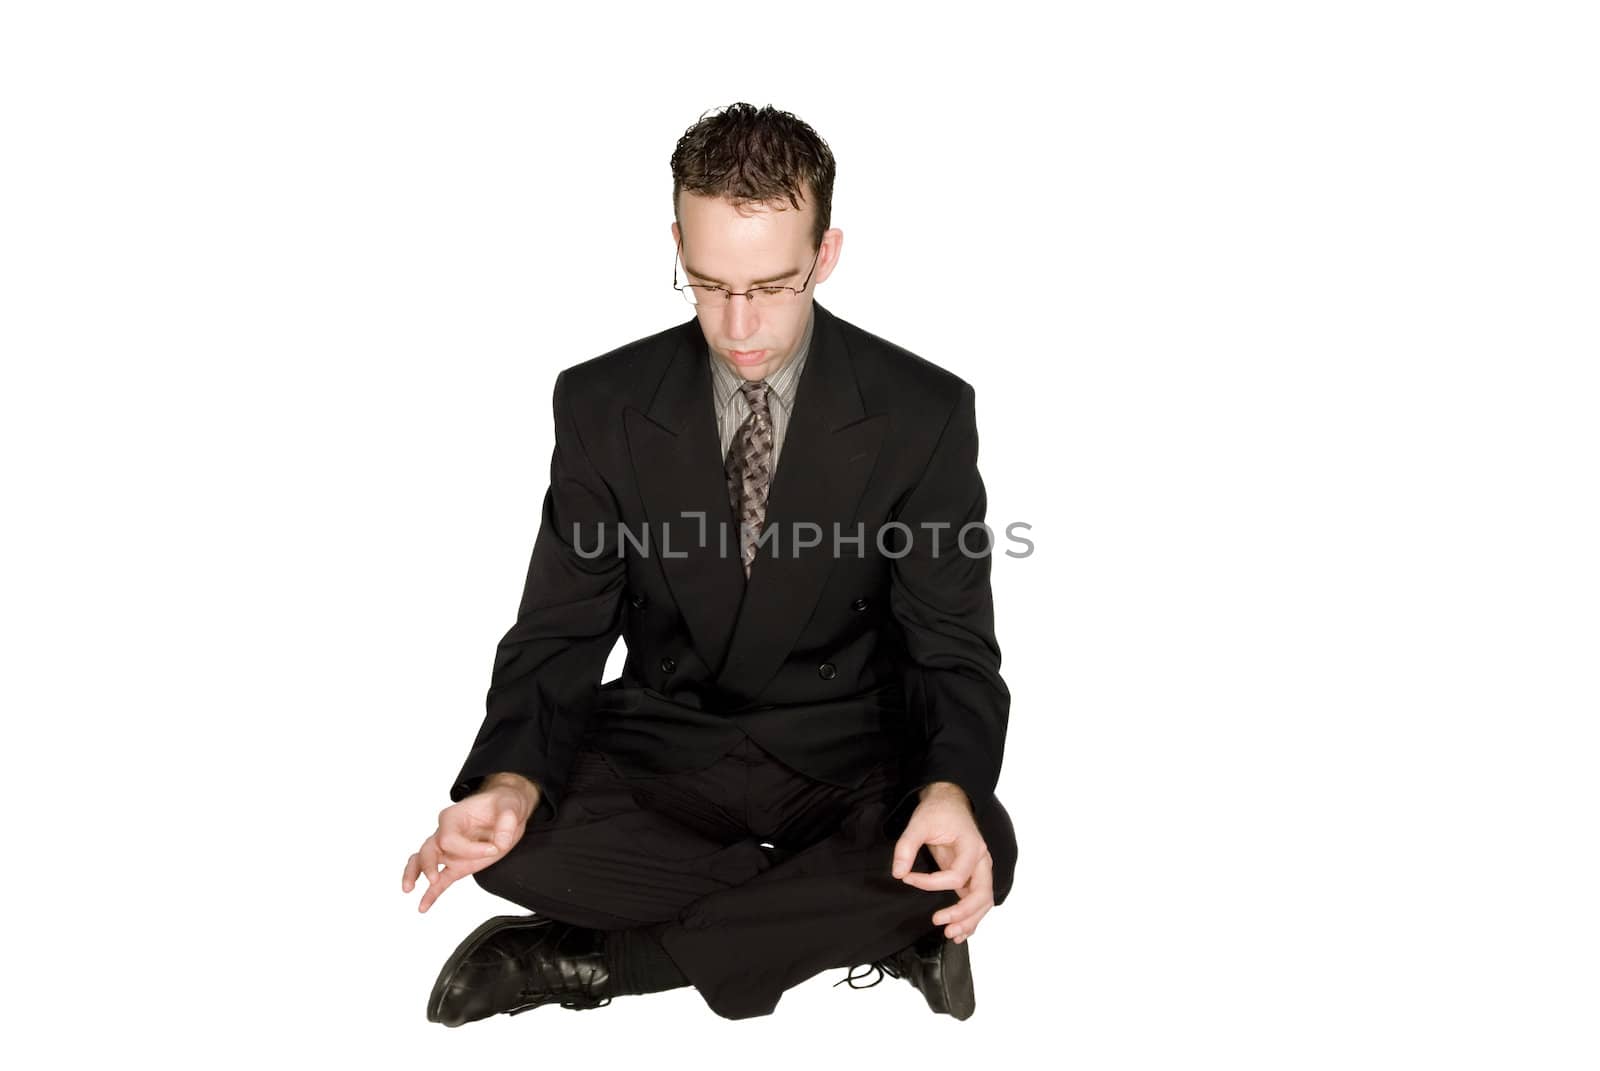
<point>755,393</point>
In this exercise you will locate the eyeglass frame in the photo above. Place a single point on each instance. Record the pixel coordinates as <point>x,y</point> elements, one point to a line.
<point>746,294</point>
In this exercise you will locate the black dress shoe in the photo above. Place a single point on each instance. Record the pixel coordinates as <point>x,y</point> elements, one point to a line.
<point>939,967</point>
<point>513,963</point>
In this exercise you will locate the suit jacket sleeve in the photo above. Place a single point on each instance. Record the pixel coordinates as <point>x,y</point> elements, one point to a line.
<point>941,599</point>
<point>547,668</point>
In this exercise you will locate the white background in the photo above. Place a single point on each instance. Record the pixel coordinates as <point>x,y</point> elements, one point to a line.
<point>1282,323</point>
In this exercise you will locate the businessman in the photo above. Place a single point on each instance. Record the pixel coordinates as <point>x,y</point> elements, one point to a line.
<point>781,515</point>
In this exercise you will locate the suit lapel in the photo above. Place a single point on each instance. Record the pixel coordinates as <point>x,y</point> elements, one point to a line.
<point>828,452</point>
<point>744,630</point>
<point>677,461</point>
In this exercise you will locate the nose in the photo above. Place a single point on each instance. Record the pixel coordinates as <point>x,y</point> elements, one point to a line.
<point>739,319</point>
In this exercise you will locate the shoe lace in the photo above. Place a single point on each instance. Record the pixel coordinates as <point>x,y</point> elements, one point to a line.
<point>584,1000</point>
<point>882,966</point>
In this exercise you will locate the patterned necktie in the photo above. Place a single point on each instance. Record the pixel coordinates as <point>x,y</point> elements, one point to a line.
<point>749,469</point>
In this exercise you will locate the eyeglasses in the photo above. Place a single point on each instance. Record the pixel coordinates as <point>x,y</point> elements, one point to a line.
<point>717,297</point>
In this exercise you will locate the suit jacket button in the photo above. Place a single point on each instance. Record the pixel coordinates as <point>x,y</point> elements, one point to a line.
<point>826,671</point>
<point>668,665</point>
<point>638,600</point>
<point>859,604</point>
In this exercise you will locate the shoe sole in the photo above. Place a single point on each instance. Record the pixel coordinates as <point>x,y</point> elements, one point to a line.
<point>955,979</point>
<point>441,987</point>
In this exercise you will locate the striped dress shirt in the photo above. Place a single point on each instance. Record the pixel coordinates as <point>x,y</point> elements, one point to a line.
<point>731,407</point>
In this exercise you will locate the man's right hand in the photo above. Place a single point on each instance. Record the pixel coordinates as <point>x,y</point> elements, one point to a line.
<point>472,834</point>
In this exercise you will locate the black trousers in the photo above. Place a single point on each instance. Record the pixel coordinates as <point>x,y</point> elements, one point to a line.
<point>744,922</point>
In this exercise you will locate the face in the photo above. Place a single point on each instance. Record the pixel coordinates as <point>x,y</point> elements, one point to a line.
<point>739,248</point>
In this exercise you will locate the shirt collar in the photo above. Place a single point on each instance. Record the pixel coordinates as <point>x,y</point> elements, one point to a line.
<point>784,382</point>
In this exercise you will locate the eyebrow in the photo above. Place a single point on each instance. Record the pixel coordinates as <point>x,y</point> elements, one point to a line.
<point>791,273</point>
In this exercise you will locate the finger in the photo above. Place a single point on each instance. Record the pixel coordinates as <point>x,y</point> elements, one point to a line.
<point>413,871</point>
<point>954,876</point>
<point>431,862</point>
<point>973,894</point>
<point>960,931</point>
<point>962,917</point>
<point>983,875</point>
<point>945,856</point>
<point>971,927</point>
<point>437,886</point>
<point>939,879</point>
<point>959,913</point>
<point>976,903</point>
<point>457,845</point>
<point>964,911</point>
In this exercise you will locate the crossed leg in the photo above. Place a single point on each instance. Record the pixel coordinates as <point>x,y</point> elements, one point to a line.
<point>741,924</point>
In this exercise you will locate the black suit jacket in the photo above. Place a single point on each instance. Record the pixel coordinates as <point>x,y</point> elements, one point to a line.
<point>832,662</point>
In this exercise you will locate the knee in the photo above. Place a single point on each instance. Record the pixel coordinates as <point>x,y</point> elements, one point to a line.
<point>514,876</point>
<point>537,876</point>
<point>499,879</point>
<point>1001,839</point>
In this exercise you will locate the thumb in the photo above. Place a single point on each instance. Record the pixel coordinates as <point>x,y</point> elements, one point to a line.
<point>905,850</point>
<point>504,828</point>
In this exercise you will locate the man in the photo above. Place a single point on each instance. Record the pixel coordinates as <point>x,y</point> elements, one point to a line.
<point>811,652</point>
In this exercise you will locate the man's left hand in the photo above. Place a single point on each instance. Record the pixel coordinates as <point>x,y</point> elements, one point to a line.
<point>944,822</point>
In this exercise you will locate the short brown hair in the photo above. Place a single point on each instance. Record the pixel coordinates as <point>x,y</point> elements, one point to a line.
<point>755,155</point>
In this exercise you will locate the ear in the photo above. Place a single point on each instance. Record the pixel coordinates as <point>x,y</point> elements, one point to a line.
<point>832,245</point>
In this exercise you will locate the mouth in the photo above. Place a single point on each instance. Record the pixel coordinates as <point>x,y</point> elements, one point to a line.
<point>747,356</point>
